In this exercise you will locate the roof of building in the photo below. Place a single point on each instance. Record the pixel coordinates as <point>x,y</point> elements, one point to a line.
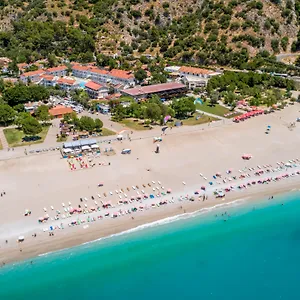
<point>155,88</point>
<point>33,73</point>
<point>121,74</point>
<point>60,110</point>
<point>194,70</point>
<point>57,69</point>
<point>22,65</point>
<point>47,77</point>
<point>66,81</point>
<point>93,85</point>
<point>98,71</point>
<point>80,68</point>
<point>85,142</point>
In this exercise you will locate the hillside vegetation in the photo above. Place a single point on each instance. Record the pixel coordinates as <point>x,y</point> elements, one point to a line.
<point>205,32</point>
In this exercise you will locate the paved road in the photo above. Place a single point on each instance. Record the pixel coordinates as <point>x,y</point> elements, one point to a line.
<point>281,57</point>
<point>137,135</point>
<point>3,139</point>
<point>212,115</point>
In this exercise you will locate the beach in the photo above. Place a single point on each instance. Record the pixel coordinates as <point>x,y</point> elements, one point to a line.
<point>41,181</point>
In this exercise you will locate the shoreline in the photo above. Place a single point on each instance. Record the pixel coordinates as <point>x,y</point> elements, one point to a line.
<point>77,236</point>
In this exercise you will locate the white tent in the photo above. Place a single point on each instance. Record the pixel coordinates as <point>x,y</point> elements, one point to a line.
<point>85,148</point>
<point>67,150</point>
<point>95,146</point>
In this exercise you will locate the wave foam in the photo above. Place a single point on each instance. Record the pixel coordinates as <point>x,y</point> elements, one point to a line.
<point>170,220</point>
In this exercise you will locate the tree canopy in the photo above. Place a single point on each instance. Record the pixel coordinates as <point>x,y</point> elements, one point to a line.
<point>7,114</point>
<point>31,126</point>
<point>42,113</point>
<point>21,94</point>
<point>183,107</point>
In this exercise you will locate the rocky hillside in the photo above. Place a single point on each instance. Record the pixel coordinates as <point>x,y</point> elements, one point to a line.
<point>204,31</point>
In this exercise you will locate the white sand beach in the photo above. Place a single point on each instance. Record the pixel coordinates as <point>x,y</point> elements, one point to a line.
<point>40,182</point>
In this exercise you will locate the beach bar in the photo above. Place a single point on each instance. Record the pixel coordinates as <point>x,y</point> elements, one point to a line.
<point>163,90</point>
<point>77,147</point>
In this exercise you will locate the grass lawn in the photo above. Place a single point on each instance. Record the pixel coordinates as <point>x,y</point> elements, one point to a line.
<point>201,120</point>
<point>14,136</point>
<point>107,132</point>
<point>61,139</point>
<point>217,110</point>
<point>138,125</point>
<point>1,147</point>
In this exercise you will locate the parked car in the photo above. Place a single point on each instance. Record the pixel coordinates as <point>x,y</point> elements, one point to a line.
<point>126,151</point>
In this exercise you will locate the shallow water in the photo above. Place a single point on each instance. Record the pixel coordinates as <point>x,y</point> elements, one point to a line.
<point>254,254</point>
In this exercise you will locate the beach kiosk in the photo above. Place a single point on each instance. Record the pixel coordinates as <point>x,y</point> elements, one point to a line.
<point>77,147</point>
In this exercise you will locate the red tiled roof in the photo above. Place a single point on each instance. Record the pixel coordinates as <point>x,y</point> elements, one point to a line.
<point>121,74</point>
<point>80,68</point>
<point>47,77</point>
<point>32,73</point>
<point>155,88</point>
<point>98,71</point>
<point>93,85</point>
<point>22,66</point>
<point>194,70</point>
<point>65,81</point>
<point>57,69</point>
<point>60,110</point>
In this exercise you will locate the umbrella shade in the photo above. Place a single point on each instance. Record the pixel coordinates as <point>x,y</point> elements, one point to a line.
<point>169,191</point>
<point>203,188</point>
<point>21,238</point>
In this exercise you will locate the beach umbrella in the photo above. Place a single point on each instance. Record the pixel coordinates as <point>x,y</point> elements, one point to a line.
<point>210,183</point>
<point>21,238</point>
<point>164,128</point>
<point>203,187</point>
<point>196,192</point>
<point>169,191</point>
<point>41,219</point>
<point>151,196</point>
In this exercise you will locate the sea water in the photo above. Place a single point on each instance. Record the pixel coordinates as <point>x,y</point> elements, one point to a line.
<point>250,252</point>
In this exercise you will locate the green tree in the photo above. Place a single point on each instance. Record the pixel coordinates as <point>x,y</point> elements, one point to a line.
<point>98,124</point>
<point>42,113</point>
<point>13,68</point>
<point>87,123</point>
<point>153,112</point>
<point>140,75</point>
<point>214,98</point>
<point>52,60</point>
<point>183,107</point>
<point>7,114</point>
<point>21,116</point>
<point>19,108</point>
<point>31,126</point>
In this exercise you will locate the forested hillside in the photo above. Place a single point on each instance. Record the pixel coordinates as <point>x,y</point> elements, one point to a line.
<point>200,31</point>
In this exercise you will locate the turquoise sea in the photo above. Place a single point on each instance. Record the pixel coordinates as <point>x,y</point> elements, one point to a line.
<point>254,254</point>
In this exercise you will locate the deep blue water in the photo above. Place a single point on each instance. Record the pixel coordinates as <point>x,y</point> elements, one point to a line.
<point>255,254</point>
